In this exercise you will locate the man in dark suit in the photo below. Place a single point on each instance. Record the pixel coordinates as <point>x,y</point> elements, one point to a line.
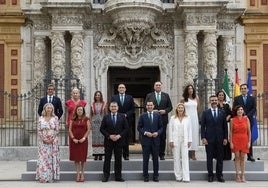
<point>114,127</point>
<point>51,98</point>
<point>249,104</point>
<point>214,134</point>
<point>126,107</point>
<point>162,105</point>
<point>150,127</point>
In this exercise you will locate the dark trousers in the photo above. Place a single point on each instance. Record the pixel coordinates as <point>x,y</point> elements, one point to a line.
<point>117,160</point>
<point>162,147</point>
<point>126,140</point>
<point>250,154</point>
<point>214,150</point>
<point>146,151</point>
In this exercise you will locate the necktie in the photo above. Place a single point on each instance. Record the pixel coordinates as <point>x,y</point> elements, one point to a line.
<point>214,114</point>
<point>50,99</point>
<point>151,118</point>
<point>245,99</point>
<point>158,98</point>
<point>114,119</point>
<point>122,99</point>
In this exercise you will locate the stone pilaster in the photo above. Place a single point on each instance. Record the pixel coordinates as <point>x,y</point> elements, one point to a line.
<point>58,54</point>
<point>190,56</point>
<point>210,54</point>
<point>39,59</point>
<point>77,63</point>
<point>228,56</point>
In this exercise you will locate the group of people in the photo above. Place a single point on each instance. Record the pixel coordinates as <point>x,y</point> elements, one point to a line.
<point>110,126</point>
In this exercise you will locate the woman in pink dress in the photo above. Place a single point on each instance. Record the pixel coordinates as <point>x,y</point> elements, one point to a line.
<point>48,163</point>
<point>240,139</point>
<point>72,103</point>
<point>78,131</point>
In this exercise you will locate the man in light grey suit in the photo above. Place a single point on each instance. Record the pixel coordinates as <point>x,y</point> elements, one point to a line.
<point>162,105</point>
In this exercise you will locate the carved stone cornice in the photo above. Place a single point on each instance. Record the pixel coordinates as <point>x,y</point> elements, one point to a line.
<point>67,19</point>
<point>195,20</point>
<point>40,22</point>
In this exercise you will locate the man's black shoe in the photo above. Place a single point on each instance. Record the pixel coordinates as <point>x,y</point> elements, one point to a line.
<point>210,179</point>
<point>220,179</point>
<point>126,158</point>
<point>155,179</point>
<point>251,159</point>
<point>162,158</point>
<point>146,179</point>
<point>104,179</point>
<point>120,180</point>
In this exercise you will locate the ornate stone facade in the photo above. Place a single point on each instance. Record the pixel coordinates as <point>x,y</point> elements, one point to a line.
<point>134,34</point>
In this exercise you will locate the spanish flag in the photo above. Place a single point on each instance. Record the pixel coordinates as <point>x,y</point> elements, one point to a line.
<point>237,85</point>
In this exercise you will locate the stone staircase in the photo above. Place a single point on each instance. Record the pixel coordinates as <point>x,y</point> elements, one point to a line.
<point>132,170</point>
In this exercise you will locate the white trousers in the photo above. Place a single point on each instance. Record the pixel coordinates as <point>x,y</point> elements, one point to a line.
<point>181,162</point>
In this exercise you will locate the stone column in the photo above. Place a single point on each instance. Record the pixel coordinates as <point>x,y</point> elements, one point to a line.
<point>210,54</point>
<point>39,59</point>
<point>77,64</point>
<point>190,57</point>
<point>210,61</point>
<point>58,54</point>
<point>228,56</point>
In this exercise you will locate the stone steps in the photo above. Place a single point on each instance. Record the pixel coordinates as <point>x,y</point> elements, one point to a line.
<point>132,170</point>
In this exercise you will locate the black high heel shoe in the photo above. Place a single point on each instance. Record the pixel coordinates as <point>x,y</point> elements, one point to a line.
<point>100,157</point>
<point>96,157</point>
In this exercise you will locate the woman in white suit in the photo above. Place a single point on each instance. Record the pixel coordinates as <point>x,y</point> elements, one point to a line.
<point>180,139</point>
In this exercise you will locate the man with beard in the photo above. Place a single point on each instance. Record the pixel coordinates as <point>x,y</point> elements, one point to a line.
<point>214,134</point>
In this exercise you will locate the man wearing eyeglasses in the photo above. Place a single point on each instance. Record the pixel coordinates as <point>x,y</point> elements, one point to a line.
<point>249,104</point>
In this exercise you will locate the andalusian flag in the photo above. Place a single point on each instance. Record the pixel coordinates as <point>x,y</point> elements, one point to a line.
<point>237,85</point>
<point>225,86</point>
<point>254,127</point>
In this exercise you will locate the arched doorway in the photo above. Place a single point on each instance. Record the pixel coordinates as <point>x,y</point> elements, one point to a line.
<point>138,83</point>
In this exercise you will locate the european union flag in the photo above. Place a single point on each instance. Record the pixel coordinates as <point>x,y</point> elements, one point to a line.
<point>254,127</point>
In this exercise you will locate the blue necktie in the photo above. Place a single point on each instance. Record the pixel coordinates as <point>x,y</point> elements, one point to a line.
<point>114,122</point>
<point>50,99</point>
<point>214,114</point>
<point>245,99</point>
<point>150,117</point>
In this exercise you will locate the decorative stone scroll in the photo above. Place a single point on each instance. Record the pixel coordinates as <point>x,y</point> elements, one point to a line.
<point>77,64</point>
<point>58,54</point>
<point>39,59</point>
<point>210,54</point>
<point>191,57</point>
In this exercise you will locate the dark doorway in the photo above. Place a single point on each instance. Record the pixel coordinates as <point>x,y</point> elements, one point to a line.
<point>138,83</point>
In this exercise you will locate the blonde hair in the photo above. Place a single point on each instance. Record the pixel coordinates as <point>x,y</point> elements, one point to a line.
<point>176,110</point>
<point>44,113</point>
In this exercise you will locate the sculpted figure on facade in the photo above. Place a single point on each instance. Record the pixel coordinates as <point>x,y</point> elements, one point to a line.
<point>191,57</point>
<point>210,55</point>
<point>77,45</point>
<point>39,59</point>
<point>58,54</point>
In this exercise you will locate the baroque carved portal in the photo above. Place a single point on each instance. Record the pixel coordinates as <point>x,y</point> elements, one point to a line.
<point>133,39</point>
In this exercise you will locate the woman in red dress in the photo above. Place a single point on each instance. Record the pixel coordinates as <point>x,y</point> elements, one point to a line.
<point>78,131</point>
<point>240,138</point>
<point>72,103</point>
